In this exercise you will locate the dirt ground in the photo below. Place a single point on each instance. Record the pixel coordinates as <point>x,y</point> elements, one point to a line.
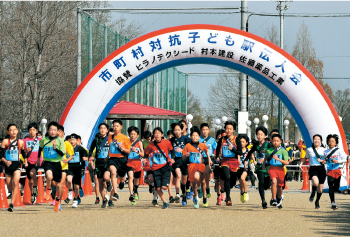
<point>297,218</point>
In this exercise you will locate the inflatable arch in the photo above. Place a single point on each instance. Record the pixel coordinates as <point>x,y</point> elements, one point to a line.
<point>202,44</point>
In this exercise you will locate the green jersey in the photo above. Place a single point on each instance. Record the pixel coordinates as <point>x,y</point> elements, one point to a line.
<point>281,153</point>
<point>49,154</point>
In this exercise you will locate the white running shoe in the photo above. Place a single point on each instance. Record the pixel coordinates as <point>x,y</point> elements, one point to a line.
<point>70,195</point>
<point>75,203</point>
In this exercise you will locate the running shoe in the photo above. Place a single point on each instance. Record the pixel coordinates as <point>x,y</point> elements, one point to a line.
<point>196,203</point>
<point>121,186</point>
<point>194,199</point>
<point>205,202</point>
<point>67,200</point>
<point>219,202</point>
<point>279,203</point>
<point>274,203</point>
<point>184,201</point>
<point>70,195</point>
<point>107,197</point>
<point>188,195</point>
<point>35,191</point>
<point>209,195</point>
<point>150,188</point>
<point>115,197</point>
<point>264,204</point>
<point>171,199</point>
<point>10,209</point>
<point>200,193</point>
<point>137,196</point>
<point>312,196</point>
<point>237,186</point>
<point>60,208</point>
<point>79,201</point>
<point>47,195</point>
<point>252,187</point>
<point>75,204</point>
<point>97,200</point>
<point>110,203</point>
<point>109,186</point>
<point>317,205</point>
<point>334,207</point>
<point>104,203</point>
<point>222,196</point>
<point>155,202</point>
<point>9,196</point>
<point>242,198</point>
<point>132,200</point>
<point>53,203</point>
<point>177,198</point>
<point>246,197</point>
<point>81,192</point>
<point>33,199</point>
<point>57,206</point>
<point>228,202</point>
<point>165,205</point>
<point>271,201</point>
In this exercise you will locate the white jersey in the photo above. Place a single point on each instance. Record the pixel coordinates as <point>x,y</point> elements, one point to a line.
<point>339,155</point>
<point>310,154</point>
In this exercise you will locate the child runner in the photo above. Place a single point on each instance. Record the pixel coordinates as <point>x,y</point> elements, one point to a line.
<point>180,168</point>
<point>32,163</point>
<point>230,150</point>
<point>317,171</point>
<point>160,149</point>
<point>243,166</point>
<point>10,155</point>
<point>192,154</point>
<point>54,150</point>
<point>278,158</point>
<point>211,145</point>
<point>334,157</point>
<point>260,147</point>
<point>184,128</point>
<point>76,161</point>
<point>134,164</point>
<point>101,146</point>
<point>119,148</point>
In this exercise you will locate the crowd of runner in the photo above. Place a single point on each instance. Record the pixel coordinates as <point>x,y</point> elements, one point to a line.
<point>177,158</point>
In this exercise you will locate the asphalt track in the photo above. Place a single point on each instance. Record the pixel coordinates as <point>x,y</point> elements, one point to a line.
<point>297,218</point>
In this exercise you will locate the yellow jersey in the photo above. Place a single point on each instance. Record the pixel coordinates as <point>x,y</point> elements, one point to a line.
<point>69,151</point>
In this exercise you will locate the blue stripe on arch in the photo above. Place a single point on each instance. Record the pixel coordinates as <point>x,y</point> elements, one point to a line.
<point>213,61</point>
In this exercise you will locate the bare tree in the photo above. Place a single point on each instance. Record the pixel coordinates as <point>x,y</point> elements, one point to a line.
<point>341,102</point>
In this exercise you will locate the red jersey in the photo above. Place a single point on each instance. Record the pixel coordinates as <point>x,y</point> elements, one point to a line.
<point>156,159</point>
<point>134,159</point>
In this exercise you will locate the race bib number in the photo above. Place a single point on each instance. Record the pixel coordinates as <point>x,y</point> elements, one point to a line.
<point>30,143</point>
<point>261,157</point>
<point>275,162</point>
<point>104,153</point>
<point>134,155</point>
<point>314,160</point>
<point>331,165</point>
<point>177,154</point>
<point>12,155</point>
<point>76,158</point>
<point>195,157</point>
<point>50,153</point>
<point>227,152</point>
<point>242,162</point>
<point>210,150</point>
<point>159,159</point>
<point>114,149</point>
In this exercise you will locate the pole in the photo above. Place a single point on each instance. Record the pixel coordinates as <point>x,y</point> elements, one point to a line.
<point>186,86</point>
<point>280,8</point>
<point>242,77</point>
<point>105,41</point>
<point>79,46</point>
<point>90,44</point>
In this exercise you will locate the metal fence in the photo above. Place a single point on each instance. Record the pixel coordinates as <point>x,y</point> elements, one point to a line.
<point>166,89</point>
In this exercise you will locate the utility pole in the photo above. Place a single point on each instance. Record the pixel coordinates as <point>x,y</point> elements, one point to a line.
<point>281,8</point>
<point>79,46</point>
<point>243,80</point>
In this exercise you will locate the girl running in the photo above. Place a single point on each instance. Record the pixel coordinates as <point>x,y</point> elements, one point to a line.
<point>193,154</point>
<point>180,173</point>
<point>134,163</point>
<point>317,171</point>
<point>260,147</point>
<point>229,148</point>
<point>11,149</point>
<point>334,157</point>
<point>243,166</point>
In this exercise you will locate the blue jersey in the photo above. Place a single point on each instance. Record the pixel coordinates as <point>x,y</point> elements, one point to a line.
<point>179,142</point>
<point>210,143</point>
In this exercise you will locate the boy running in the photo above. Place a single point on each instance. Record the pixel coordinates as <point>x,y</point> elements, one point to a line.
<point>11,148</point>
<point>243,166</point>
<point>278,158</point>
